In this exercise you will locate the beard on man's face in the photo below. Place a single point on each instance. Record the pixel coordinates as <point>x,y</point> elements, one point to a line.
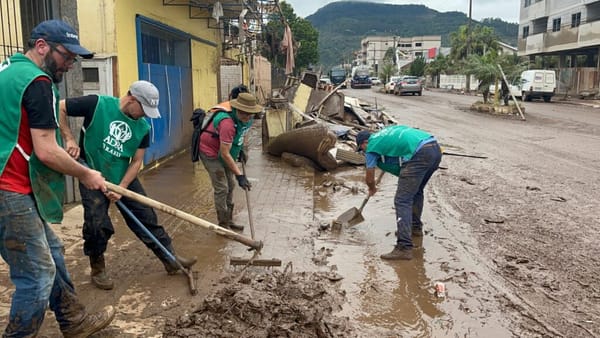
<point>50,67</point>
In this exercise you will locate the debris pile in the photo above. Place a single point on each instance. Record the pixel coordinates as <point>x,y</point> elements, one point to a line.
<point>305,121</point>
<point>271,304</point>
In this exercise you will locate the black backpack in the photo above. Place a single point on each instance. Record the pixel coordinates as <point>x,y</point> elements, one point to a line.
<point>200,123</point>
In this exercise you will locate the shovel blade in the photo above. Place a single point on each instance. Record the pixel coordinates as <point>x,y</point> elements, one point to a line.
<point>350,216</point>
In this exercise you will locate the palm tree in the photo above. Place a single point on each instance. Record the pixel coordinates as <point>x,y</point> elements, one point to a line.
<point>436,67</point>
<point>485,68</point>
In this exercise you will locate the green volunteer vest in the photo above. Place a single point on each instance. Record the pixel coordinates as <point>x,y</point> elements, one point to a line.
<point>16,73</point>
<point>396,141</point>
<point>240,130</point>
<point>112,138</point>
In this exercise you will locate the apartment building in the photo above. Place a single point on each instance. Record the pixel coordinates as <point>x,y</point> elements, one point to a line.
<point>373,49</point>
<point>568,30</point>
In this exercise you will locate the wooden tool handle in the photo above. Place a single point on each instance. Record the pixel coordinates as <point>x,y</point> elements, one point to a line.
<point>185,216</point>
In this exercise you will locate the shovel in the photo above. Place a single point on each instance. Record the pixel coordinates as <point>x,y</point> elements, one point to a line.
<point>256,245</point>
<point>172,259</point>
<point>354,215</point>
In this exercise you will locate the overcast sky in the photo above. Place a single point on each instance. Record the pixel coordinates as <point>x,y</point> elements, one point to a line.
<point>507,10</point>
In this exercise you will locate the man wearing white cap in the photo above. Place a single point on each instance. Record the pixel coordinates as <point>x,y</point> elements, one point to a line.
<point>113,140</point>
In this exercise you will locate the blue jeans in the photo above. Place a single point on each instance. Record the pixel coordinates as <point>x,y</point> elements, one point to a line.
<point>414,175</point>
<point>37,268</point>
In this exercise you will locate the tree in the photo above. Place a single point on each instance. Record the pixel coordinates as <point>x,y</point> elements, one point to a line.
<point>485,68</point>
<point>386,71</point>
<point>483,40</point>
<point>306,37</point>
<point>417,67</point>
<point>436,67</point>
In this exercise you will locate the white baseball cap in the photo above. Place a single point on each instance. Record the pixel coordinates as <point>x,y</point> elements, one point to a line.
<point>147,94</point>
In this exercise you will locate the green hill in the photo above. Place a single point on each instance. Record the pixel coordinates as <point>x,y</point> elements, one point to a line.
<point>342,25</point>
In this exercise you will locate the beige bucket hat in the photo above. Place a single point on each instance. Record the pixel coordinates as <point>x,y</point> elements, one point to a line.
<point>246,102</point>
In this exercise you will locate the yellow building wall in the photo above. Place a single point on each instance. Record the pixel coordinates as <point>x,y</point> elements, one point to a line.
<point>97,26</point>
<point>108,27</point>
<point>204,78</point>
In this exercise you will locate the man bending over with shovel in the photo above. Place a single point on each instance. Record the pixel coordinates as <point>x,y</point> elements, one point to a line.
<point>113,140</point>
<point>413,155</point>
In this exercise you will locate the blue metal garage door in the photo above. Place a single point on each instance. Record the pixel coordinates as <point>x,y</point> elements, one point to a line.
<point>164,60</point>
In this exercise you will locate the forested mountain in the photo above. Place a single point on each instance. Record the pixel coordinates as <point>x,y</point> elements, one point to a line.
<point>342,25</point>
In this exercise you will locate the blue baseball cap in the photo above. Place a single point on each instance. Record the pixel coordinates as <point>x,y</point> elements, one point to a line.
<point>361,137</point>
<point>60,32</point>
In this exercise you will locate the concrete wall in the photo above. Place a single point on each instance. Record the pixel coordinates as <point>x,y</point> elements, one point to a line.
<point>262,78</point>
<point>231,76</point>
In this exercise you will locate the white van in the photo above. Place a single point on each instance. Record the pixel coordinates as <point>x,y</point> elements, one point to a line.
<point>538,83</point>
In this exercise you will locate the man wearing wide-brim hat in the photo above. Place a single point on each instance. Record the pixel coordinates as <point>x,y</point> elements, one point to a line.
<point>220,145</point>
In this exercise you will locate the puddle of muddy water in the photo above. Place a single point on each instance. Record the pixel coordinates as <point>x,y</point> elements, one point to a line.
<point>397,297</point>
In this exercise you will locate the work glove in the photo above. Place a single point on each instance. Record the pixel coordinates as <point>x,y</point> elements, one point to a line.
<point>243,157</point>
<point>243,182</point>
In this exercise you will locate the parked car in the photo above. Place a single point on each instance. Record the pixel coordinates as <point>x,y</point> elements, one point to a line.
<point>409,84</point>
<point>389,87</point>
<point>538,83</point>
<point>375,81</point>
<point>325,81</point>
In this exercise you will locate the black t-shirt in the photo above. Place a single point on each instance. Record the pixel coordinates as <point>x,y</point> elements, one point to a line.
<point>38,101</point>
<point>86,106</point>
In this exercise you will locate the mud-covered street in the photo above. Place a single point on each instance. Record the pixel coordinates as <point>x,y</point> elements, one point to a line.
<point>513,237</point>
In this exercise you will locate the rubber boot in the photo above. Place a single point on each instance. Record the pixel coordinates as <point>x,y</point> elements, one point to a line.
<point>233,226</point>
<point>99,277</point>
<point>172,268</point>
<point>91,323</point>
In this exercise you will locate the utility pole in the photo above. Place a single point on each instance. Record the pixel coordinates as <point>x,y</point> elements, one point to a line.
<point>468,80</point>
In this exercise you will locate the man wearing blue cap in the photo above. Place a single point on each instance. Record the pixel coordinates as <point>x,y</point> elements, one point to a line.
<point>32,168</point>
<point>113,140</point>
<point>413,155</point>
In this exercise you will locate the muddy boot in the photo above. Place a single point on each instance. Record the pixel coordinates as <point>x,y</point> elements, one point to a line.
<point>230,224</point>
<point>223,220</point>
<point>99,277</point>
<point>171,267</point>
<point>91,323</point>
<point>398,254</point>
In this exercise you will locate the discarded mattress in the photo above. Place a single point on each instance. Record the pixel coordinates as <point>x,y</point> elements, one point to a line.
<point>313,142</point>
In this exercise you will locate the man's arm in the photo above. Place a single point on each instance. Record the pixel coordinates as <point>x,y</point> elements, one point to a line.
<point>370,180</point>
<point>52,155</point>
<point>134,168</point>
<point>71,145</point>
<point>130,174</point>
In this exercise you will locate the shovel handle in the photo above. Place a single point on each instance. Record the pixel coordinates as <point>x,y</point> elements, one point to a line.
<point>248,204</point>
<point>364,202</point>
<point>257,245</point>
